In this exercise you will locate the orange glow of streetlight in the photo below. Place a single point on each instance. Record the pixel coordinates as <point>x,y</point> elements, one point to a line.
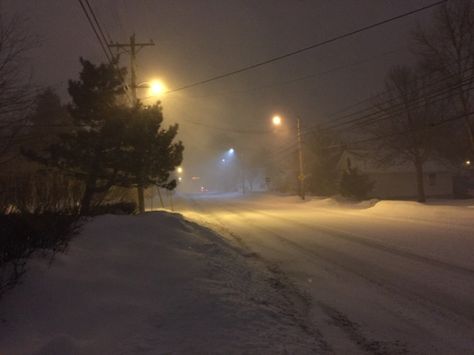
<point>157,87</point>
<point>276,120</point>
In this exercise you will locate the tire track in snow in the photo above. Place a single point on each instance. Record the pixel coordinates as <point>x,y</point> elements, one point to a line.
<point>351,237</point>
<point>346,262</point>
<point>280,281</point>
<point>353,332</point>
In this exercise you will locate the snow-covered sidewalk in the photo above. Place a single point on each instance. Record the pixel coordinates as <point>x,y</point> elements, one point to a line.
<point>153,284</point>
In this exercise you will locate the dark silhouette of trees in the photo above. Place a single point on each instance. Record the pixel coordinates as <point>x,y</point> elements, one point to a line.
<point>446,49</point>
<point>15,91</point>
<point>408,115</point>
<point>89,152</point>
<point>354,184</point>
<point>111,144</point>
<point>48,119</point>
<point>324,153</point>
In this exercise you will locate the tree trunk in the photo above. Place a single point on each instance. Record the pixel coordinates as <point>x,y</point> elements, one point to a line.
<point>141,199</point>
<point>86,201</point>
<point>419,181</point>
<point>161,198</point>
<point>467,120</point>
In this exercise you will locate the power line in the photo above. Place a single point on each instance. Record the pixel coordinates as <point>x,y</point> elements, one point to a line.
<point>365,119</point>
<point>226,129</point>
<point>365,114</point>
<point>413,105</point>
<point>305,49</point>
<point>439,123</point>
<point>384,93</point>
<point>99,27</point>
<point>91,23</point>
<point>99,33</point>
<point>292,148</point>
<point>306,77</point>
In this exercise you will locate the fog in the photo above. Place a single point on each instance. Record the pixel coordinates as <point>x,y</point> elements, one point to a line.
<point>196,40</point>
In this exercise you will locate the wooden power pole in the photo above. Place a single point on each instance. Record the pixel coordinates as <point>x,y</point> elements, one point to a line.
<point>132,48</point>
<point>301,176</point>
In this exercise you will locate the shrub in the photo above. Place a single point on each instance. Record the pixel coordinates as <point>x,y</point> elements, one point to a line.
<point>21,235</point>
<point>114,208</point>
<point>355,185</point>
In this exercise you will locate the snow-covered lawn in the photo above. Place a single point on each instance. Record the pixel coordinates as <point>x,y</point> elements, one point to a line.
<point>154,284</point>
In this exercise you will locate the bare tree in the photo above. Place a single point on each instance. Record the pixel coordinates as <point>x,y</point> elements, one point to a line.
<point>408,113</point>
<point>447,49</point>
<point>16,95</point>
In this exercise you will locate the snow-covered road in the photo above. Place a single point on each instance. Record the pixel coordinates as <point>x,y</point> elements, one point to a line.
<point>385,278</point>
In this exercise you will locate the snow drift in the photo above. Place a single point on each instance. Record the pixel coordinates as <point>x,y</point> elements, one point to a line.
<point>149,284</point>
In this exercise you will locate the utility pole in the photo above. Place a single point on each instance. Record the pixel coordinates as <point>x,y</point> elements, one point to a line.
<point>301,175</point>
<point>132,48</point>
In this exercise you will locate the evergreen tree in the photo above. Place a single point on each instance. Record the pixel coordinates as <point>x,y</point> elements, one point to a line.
<point>48,119</point>
<point>354,184</point>
<point>90,151</point>
<point>148,153</point>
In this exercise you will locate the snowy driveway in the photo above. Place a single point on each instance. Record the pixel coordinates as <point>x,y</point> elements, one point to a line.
<point>388,278</point>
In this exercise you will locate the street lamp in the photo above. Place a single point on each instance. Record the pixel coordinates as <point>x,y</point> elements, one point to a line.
<point>179,169</point>
<point>276,121</point>
<point>157,87</point>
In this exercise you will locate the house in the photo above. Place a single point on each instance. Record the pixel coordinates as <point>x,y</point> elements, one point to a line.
<point>399,181</point>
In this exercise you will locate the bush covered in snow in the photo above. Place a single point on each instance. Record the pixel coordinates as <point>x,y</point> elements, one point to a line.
<point>21,235</point>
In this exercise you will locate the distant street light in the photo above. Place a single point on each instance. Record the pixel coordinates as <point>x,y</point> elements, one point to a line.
<point>231,151</point>
<point>179,169</point>
<point>276,121</point>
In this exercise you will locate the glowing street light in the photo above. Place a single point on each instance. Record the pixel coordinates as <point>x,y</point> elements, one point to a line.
<point>276,120</point>
<point>467,162</point>
<point>231,151</point>
<point>179,170</point>
<point>157,87</point>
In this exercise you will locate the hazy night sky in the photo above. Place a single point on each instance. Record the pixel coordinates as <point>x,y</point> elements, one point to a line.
<point>199,39</point>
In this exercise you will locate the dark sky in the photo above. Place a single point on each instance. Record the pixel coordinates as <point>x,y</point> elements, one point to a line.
<point>199,39</point>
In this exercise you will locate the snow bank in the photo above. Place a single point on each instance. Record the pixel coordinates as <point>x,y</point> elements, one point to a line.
<point>149,284</point>
<point>459,212</point>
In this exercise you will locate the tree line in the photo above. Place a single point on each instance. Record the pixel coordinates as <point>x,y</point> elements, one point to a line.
<point>424,113</point>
